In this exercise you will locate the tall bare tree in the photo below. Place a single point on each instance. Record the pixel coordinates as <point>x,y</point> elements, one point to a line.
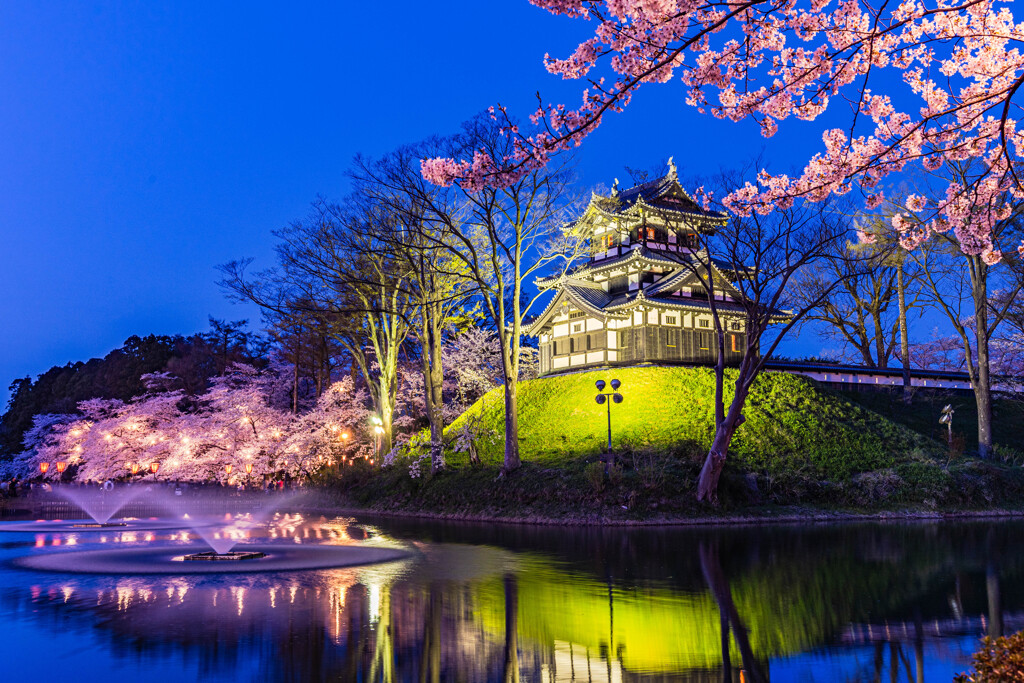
<point>767,253</point>
<point>418,233</point>
<point>868,310</point>
<point>332,269</point>
<point>959,278</point>
<point>504,236</point>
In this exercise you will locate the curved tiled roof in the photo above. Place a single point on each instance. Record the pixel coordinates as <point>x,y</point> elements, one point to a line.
<point>642,253</point>
<point>664,193</point>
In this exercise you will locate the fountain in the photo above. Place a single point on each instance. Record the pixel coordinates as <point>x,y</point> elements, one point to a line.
<point>217,520</point>
<point>165,559</point>
<point>223,533</point>
<point>100,504</point>
<point>213,555</point>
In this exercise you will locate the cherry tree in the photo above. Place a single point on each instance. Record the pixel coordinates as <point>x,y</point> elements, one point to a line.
<point>241,429</point>
<point>243,421</point>
<point>336,428</point>
<point>474,360</point>
<point>108,438</point>
<point>951,71</point>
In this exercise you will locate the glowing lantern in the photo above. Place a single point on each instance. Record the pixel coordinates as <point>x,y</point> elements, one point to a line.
<point>135,468</point>
<point>154,467</point>
<point>61,466</point>
<point>227,468</point>
<point>345,436</point>
<point>43,466</point>
<point>248,468</point>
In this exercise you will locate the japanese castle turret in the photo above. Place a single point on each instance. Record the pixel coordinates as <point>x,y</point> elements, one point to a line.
<point>639,298</point>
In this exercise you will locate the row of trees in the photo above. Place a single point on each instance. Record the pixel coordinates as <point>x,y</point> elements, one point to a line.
<point>977,297</point>
<point>397,267</point>
<point>193,360</point>
<point>243,425</point>
<point>406,302</point>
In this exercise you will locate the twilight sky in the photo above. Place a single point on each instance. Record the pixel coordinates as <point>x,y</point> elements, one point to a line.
<point>141,146</point>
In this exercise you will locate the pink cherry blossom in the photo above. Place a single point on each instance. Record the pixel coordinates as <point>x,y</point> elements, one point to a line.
<point>957,60</point>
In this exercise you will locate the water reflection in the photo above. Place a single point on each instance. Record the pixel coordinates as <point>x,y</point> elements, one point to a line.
<point>480,603</point>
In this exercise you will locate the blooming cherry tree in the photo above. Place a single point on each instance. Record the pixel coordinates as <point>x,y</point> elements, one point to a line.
<point>242,422</point>
<point>773,60</point>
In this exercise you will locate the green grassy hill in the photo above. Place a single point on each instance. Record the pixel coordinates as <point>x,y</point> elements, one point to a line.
<point>792,424</point>
<point>802,445</point>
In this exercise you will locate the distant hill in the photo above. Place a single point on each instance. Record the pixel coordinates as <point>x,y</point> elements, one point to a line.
<point>791,422</point>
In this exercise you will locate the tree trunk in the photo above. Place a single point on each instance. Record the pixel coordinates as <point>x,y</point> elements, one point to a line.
<point>720,380</point>
<point>707,483</point>
<point>295,385</point>
<point>316,362</point>
<point>433,381</point>
<point>511,673</point>
<point>718,584</point>
<point>880,339</point>
<point>386,404</point>
<point>982,386</point>
<point>901,290</point>
<point>512,461</point>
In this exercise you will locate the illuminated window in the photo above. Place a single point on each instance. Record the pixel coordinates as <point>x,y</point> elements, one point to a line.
<point>735,342</point>
<point>704,323</point>
<point>671,320</point>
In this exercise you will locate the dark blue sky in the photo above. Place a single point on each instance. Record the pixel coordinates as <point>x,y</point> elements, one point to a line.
<point>141,146</point>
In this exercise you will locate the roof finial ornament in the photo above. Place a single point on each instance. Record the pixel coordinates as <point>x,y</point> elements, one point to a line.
<point>671,167</point>
<point>615,188</point>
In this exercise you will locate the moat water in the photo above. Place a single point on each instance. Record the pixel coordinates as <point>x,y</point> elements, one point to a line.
<point>848,602</point>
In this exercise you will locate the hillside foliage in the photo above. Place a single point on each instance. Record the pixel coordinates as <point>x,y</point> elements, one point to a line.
<point>791,422</point>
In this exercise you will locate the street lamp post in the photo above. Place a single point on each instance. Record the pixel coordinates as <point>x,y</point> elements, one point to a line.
<point>343,458</point>
<point>602,398</point>
<point>378,431</point>
<point>947,419</point>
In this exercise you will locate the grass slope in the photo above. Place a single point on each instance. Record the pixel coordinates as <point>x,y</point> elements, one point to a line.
<point>801,446</point>
<point>922,415</point>
<point>791,423</point>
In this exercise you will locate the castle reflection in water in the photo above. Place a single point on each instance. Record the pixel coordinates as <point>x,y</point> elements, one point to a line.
<point>481,603</point>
